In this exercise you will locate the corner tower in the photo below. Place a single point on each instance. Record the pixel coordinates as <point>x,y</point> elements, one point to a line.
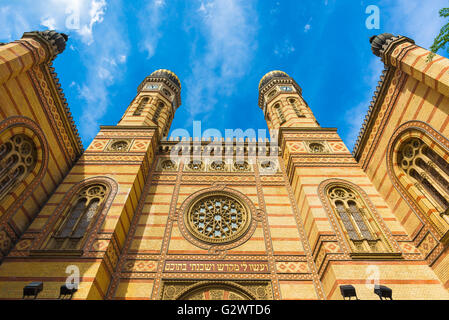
<point>158,98</point>
<point>347,223</point>
<point>280,98</point>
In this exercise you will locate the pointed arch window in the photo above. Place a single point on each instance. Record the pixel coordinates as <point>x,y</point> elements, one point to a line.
<point>357,221</point>
<point>141,106</point>
<point>281,116</point>
<point>428,171</point>
<point>157,113</point>
<point>80,215</point>
<point>294,103</point>
<point>18,158</point>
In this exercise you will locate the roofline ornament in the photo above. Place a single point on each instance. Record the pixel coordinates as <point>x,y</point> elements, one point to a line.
<point>53,41</point>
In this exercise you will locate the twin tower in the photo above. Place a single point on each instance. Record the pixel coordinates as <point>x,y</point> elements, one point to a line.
<point>159,96</point>
<point>124,219</point>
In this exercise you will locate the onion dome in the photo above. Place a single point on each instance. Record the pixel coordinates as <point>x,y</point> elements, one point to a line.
<point>167,74</point>
<point>271,75</point>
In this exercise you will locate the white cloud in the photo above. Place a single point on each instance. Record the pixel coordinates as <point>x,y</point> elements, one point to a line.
<point>150,19</point>
<point>415,19</point>
<point>229,30</point>
<point>103,52</point>
<point>73,16</point>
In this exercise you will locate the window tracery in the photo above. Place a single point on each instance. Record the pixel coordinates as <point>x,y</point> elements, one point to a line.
<point>356,220</point>
<point>429,172</point>
<point>81,213</point>
<point>18,157</point>
<point>217,218</point>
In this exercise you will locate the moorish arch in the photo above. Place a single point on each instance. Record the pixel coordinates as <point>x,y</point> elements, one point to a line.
<point>358,226</point>
<point>75,222</point>
<point>216,291</point>
<point>418,164</point>
<point>23,159</point>
<point>23,164</point>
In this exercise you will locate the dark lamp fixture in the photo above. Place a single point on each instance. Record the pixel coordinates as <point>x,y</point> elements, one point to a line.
<point>66,293</point>
<point>32,289</point>
<point>383,292</point>
<point>348,291</point>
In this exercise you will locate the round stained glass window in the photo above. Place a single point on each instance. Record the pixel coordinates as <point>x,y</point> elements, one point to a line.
<point>217,218</point>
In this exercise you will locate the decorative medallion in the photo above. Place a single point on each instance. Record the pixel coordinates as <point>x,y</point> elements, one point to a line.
<point>168,165</point>
<point>218,165</point>
<point>317,147</point>
<point>268,166</point>
<point>119,145</point>
<point>195,166</point>
<point>242,166</point>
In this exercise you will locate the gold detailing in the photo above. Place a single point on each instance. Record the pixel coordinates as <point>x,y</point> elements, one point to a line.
<point>17,159</point>
<point>357,222</point>
<point>271,73</point>
<point>78,219</point>
<point>161,71</point>
<point>217,218</point>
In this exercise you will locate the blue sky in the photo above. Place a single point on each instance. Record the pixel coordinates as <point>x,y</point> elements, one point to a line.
<point>220,49</point>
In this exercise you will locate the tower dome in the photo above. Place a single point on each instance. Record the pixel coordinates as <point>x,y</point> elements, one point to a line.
<point>271,75</point>
<point>163,73</point>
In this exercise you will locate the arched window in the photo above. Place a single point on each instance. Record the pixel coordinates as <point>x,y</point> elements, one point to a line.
<point>17,158</point>
<point>157,113</point>
<point>281,116</point>
<point>80,214</point>
<point>141,106</point>
<point>294,104</point>
<point>428,171</point>
<point>357,221</point>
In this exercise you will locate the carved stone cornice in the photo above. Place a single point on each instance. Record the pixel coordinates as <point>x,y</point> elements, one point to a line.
<point>53,42</point>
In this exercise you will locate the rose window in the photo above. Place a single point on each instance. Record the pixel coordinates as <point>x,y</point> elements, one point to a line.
<point>218,218</point>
